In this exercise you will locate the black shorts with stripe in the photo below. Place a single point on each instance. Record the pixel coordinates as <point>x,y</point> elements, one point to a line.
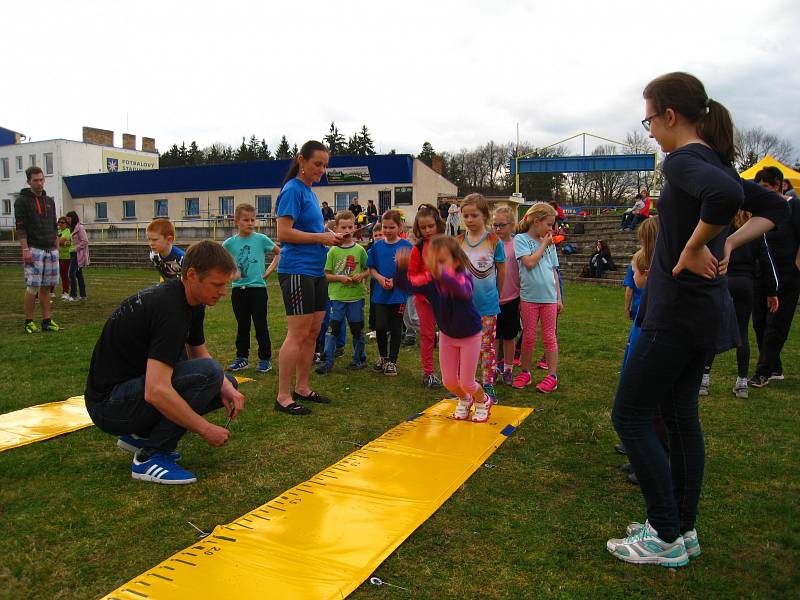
<point>303,294</point>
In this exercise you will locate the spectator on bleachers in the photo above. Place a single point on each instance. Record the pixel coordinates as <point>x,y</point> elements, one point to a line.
<point>600,261</point>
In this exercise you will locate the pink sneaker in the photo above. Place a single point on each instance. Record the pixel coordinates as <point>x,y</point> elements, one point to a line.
<point>517,361</point>
<point>549,384</point>
<point>522,380</point>
<point>542,364</point>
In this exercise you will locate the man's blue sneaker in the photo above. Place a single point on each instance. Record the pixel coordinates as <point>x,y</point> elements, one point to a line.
<point>133,443</point>
<point>238,364</point>
<point>160,469</point>
<point>264,366</point>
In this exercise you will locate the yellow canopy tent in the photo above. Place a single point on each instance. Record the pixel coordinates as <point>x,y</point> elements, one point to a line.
<point>768,161</point>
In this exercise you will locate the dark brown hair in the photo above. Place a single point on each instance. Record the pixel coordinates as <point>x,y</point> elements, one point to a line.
<point>425,211</point>
<point>206,256</point>
<point>31,171</point>
<point>307,151</point>
<point>685,94</point>
<point>770,175</point>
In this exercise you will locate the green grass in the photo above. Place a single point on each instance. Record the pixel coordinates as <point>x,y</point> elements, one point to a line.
<point>75,525</point>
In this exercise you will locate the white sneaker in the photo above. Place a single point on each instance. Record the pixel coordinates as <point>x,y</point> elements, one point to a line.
<point>65,296</point>
<point>704,384</point>
<point>644,547</point>
<point>462,409</point>
<point>740,389</point>
<point>689,539</point>
<point>482,409</point>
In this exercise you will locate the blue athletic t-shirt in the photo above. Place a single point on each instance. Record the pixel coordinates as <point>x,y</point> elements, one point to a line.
<point>637,291</point>
<point>249,254</point>
<point>297,201</point>
<point>381,258</point>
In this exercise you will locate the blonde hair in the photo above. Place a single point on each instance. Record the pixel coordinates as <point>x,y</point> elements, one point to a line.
<point>647,234</point>
<point>344,215</point>
<point>479,202</point>
<point>508,212</point>
<point>741,218</point>
<point>538,212</point>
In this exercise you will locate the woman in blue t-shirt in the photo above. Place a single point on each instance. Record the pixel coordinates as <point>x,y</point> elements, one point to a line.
<point>687,312</point>
<point>301,273</point>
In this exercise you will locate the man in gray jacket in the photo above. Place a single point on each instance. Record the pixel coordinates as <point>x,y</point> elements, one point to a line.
<point>35,214</point>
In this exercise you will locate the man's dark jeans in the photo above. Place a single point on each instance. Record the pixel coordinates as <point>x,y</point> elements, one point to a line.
<point>126,412</point>
<point>663,374</point>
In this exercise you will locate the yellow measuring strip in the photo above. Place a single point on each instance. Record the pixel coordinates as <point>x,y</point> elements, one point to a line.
<point>45,421</point>
<point>323,537</point>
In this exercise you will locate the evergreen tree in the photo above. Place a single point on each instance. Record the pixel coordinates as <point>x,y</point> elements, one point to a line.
<point>353,145</point>
<point>169,158</point>
<point>263,151</point>
<point>335,140</point>
<point>252,147</point>
<point>183,155</point>
<point>243,153</point>
<point>365,144</point>
<point>195,155</point>
<point>294,150</point>
<point>283,152</point>
<point>427,154</point>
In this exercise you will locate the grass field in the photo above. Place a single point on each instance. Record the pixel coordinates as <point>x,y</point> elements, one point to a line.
<point>75,525</point>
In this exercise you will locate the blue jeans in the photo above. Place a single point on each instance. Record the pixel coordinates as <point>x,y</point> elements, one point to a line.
<point>663,374</point>
<point>125,411</point>
<point>323,331</point>
<point>354,313</point>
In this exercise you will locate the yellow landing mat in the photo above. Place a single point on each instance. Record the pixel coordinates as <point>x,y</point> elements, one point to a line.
<point>323,537</point>
<point>45,421</point>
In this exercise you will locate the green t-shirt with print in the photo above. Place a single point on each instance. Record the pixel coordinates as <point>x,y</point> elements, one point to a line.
<point>346,261</point>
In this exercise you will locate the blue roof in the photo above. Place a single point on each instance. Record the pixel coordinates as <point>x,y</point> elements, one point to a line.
<point>383,169</point>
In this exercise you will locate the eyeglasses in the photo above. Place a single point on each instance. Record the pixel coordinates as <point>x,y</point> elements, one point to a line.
<point>646,122</point>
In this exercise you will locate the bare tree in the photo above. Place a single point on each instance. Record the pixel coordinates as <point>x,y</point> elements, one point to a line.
<point>755,143</point>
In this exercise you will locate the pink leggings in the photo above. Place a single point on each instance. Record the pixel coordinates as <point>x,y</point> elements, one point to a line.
<point>532,312</point>
<point>458,359</point>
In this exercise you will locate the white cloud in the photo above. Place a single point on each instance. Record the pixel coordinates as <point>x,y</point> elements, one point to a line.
<point>452,73</point>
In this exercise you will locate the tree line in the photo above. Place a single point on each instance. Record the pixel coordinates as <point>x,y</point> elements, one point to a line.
<point>359,144</point>
<point>487,168</point>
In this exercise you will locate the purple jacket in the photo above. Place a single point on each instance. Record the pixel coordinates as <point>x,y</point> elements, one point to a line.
<point>450,297</point>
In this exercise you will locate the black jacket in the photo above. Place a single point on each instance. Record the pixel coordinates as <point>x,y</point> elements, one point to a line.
<point>36,219</point>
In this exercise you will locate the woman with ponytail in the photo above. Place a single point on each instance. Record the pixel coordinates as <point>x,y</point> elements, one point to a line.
<point>301,273</point>
<point>686,312</point>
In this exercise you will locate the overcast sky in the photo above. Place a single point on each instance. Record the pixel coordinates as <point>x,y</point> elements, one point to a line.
<point>455,73</point>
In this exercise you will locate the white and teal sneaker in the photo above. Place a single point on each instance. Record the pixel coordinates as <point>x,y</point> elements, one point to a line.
<point>644,547</point>
<point>689,539</point>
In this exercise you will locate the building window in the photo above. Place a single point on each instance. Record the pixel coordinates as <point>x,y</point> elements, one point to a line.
<point>160,208</point>
<point>48,163</point>
<point>6,168</point>
<point>192,207</point>
<point>19,164</point>
<point>263,205</point>
<point>225,205</point>
<point>101,211</point>
<point>403,195</point>
<point>129,209</point>
<point>6,206</point>
<point>32,158</point>
<point>343,200</point>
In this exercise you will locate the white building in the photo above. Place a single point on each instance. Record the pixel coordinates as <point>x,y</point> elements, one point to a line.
<point>59,158</point>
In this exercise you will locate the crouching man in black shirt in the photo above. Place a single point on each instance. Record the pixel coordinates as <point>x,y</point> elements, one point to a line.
<point>139,388</point>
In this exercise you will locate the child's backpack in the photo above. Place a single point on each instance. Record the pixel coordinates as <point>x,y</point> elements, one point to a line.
<point>569,248</point>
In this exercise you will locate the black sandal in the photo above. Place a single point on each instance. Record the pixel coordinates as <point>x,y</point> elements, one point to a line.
<point>312,397</point>
<point>292,409</point>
